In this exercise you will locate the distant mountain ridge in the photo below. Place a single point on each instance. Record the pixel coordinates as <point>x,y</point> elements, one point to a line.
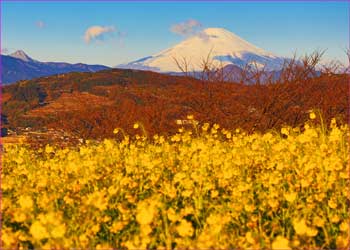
<point>20,54</point>
<point>221,46</point>
<point>19,66</point>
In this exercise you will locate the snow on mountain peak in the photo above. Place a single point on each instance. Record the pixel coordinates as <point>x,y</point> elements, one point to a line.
<point>222,46</point>
<point>219,33</point>
<point>20,54</point>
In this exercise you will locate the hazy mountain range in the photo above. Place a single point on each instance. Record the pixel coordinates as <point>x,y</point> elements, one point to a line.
<point>20,66</point>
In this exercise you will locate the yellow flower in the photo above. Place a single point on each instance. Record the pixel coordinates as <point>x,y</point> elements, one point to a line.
<point>172,215</point>
<point>332,203</point>
<point>335,219</point>
<point>205,126</point>
<point>136,126</point>
<point>117,226</point>
<point>179,122</point>
<point>38,231</point>
<point>280,243</point>
<point>214,194</point>
<point>296,242</point>
<point>116,131</point>
<point>95,228</point>
<point>58,231</point>
<point>48,149</point>
<point>214,219</point>
<point>273,203</point>
<point>187,193</point>
<point>249,238</point>
<point>104,246</point>
<point>344,226</point>
<point>342,242</point>
<point>290,197</point>
<point>146,229</point>
<point>312,115</point>
<point>8,237</point>
<point>185,228</point>
<point>284,131</point>
<point>300,226</point>
<point>51,218</point>
<point>187,210</point>
<point>25,202</point>
<point>19,216</point>
<point>112,190</point>
<point>216,126</point>
<point>190,117</point>
<point>311,232</point>
<point>333,123</point>
<point>318,221</point>
<point>145,214</point>
<point>101,203</point>
<point>249,207</point>
<point>83,239</point>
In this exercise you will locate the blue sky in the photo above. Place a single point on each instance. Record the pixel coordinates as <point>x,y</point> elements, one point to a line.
<point>55,31</point>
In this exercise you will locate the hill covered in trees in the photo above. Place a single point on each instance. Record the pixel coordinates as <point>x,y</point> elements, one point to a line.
<point>91,105</point>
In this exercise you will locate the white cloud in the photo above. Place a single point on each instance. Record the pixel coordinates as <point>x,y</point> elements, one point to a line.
<point>188,28</point>
<point>40,24</point>
<point>97,32</point>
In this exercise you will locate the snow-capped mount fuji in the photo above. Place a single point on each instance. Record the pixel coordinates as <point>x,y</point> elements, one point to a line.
<point>223,47</point>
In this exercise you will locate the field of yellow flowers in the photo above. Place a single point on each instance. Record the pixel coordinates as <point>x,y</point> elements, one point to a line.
<point>201,188</point>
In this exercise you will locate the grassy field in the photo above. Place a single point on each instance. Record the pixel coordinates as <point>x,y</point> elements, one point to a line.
<point>205,187</point>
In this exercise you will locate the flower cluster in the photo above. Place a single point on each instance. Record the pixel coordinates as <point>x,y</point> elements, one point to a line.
<point>211,188</point>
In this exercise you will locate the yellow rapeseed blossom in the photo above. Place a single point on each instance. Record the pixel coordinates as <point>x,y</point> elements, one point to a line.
<point>19,216</point>
<point>311,232</point>
<point>273,203</point>
<point>145,214</point>
<point>284,131</point>
<point>335,218</point>
<point>332,203</point>
<point>26,202</point>
<point>249,207</point>
<point>300,226</point>
<point>58,231</point>
<point>249,238</point>
<point>318,221</point>
<point>344,226</point>
<point>185,228</point>
<point>38,231</point>
<point>280,243</point>
<point>343,242</point>
<point>205,187</point>
<point>290,197</point>
<point>117,226</point>
<point>8,238</point>
<point>95,228</point>
<point>312,115</point>
<point>172,215</point>
<point>205,126</point>
<point>49,149</point>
